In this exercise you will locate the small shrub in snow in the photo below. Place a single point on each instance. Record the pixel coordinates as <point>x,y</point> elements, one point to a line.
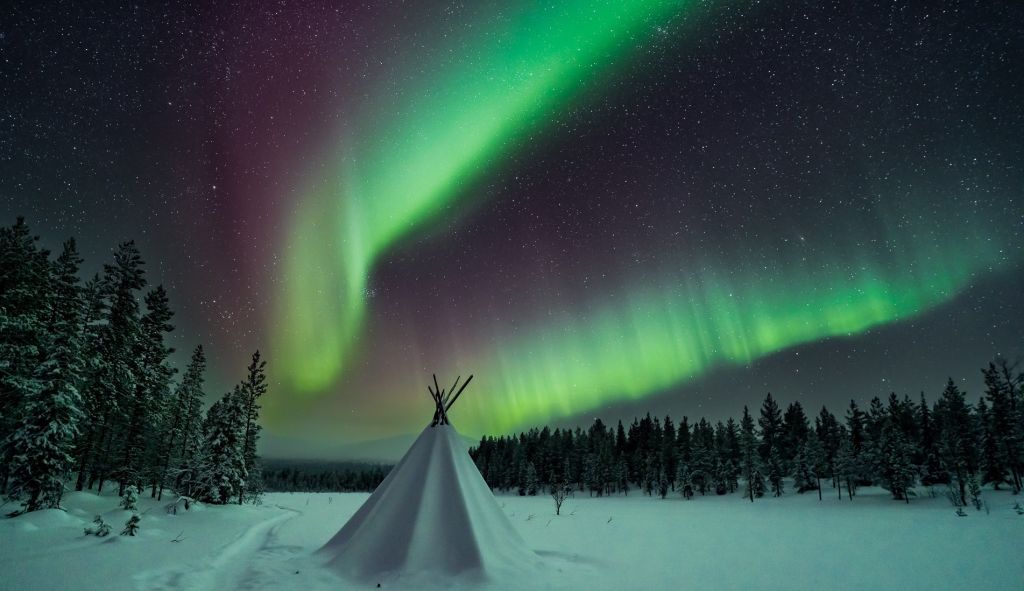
<point>130,498</point>
<point>131,527</point>
<point>1018,509</point>
<point>100,529</point>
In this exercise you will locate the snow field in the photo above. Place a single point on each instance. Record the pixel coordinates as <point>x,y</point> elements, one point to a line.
<point>633,542</point>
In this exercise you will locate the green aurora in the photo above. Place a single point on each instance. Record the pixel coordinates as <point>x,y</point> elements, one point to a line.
<point>410,158</point>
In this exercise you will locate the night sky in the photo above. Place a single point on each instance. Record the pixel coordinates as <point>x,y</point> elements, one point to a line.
<point>597,208</point>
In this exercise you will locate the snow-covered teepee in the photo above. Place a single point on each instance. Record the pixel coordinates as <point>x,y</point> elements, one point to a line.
<point>432,516</point>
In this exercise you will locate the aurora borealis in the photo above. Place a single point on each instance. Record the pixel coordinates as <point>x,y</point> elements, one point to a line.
<point>595,208</point>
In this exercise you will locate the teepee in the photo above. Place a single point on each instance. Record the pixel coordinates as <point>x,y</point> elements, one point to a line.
<point>433,516</point>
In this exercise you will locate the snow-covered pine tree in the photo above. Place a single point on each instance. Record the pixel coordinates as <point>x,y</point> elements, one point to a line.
<point>148,400</point>
<point>795,429</point>
<point>100,529</point>
<point>95,399</point>
<point>532,482</point>
<point>185,476</point>
<point>720,480</point>
<point>223,469</point>
<point>119,347</point>
<point>897,473</point>
<point>804,478</point>
<point>991,460</point>
<point>130,498</point>
<point>181,424</point>
<point>684,483</point>
<point>131,527</point>
<point>622,475</point>
<point>24,275</point>
<point>1001,445</point>
<point>253,388</point>
<point>814,455</point>
<point>770,423</point>
<point>930,466</point>
<point>749,459</point>
<point>957,449</point>
<point>42,443</point>
<point>846,468</point>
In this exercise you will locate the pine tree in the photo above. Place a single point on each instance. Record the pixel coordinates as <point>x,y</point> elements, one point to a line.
<point>130,498</point>
<point>95,398</point>
<point>42,445</point>
<point>151,385</point>
<point>131,527</point>
<point>253,388</point>
<point>24,274</point>
<point>795,429</point>
<point>846,468</point>
<point>223,467</point>
<point>993,468</point>
<point>897,473</point>
<point>930,467</point>
<point>814,455</point>
<point>749,457</point>
<point>957,449</point>
<point>1002,428</point>
<point>804,478</point>
<point>771,427</point>
<point>119,343</point>
<point>182,422</point>
<point>683,482</point>
<point>532,482</point>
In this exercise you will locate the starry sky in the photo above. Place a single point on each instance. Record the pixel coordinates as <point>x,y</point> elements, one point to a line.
<point>597,208</point>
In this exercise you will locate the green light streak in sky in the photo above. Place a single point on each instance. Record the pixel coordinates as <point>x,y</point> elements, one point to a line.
<point>653,338</point>
<point>457,113</point>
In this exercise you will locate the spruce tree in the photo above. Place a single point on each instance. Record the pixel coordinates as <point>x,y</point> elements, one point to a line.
<point>223,468</point>
<point>771,427</point>
<point>119,344</point>
<point>42,445</point>
<point>749,457</point>
<point>180,425</point>
<point>957,442</point>
<point>25,273</point>
<point>254,387</point>
<point>147,405</point>
<point>1002,428</point>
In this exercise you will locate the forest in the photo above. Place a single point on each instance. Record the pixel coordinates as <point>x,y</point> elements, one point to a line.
<point>87,388</point>
<point>321,476</point>
<point>900,444</point>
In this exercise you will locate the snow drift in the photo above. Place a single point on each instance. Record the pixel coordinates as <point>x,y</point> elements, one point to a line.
<point>432,516</point>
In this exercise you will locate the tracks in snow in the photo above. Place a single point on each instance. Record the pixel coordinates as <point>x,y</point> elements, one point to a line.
<point>235,564</point>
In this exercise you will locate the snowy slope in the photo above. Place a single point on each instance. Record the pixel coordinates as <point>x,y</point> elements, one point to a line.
<point>635,542</point>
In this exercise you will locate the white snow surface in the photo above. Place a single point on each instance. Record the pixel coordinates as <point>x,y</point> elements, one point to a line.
<point>794,542</point>
<point>433,517</point>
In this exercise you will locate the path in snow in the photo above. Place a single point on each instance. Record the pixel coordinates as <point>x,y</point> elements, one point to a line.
<point>238,565</point>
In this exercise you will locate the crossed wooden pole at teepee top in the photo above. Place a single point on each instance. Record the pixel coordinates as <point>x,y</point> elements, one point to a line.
<point>443,400</point>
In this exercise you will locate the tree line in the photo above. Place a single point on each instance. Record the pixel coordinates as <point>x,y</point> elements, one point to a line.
<point>319,476</point>
<point>87,390</point>
<point>897,444</point>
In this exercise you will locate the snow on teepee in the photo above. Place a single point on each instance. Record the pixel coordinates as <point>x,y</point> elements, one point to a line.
<point>432,516</point>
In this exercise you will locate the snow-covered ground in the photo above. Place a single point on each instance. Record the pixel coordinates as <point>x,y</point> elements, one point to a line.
<point>634,542</point>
